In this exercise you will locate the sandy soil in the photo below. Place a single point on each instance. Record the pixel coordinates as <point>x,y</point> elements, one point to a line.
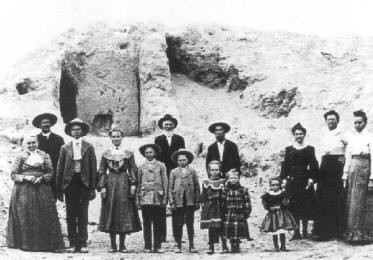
<point>191,99</point>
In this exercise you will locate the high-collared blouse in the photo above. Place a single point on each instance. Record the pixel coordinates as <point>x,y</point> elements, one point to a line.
<point>359,143</point>
<point>333,143</point>
<point>31,161</point>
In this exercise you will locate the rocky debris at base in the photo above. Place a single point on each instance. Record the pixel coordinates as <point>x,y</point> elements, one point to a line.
<point>261,83</point>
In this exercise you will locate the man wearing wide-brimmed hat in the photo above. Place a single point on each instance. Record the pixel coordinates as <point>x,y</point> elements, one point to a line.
<point>76,178</point>
<point>49,142</point>
<point>169,142</point>
<point>223,150</point>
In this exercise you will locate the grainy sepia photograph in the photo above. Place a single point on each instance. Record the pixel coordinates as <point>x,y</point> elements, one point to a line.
<point>185,129</point>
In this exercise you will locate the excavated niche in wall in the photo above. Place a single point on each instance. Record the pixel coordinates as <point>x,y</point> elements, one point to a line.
<point>200,66</point>
<point>101,88</point>
<point>67,96</point>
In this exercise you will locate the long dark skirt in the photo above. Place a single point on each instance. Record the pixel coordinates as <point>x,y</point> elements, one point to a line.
<point>330,197</point>
<point>302,200</point>
<point>33,223</point>
<point>118,210</point>
<point>359,226</point>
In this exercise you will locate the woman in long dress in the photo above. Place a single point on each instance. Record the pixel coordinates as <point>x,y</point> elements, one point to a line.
<point>330,194</point>
<point>299,169</point>
<point>358,174</point>
<point>33,223</point>
<point>117,185</point>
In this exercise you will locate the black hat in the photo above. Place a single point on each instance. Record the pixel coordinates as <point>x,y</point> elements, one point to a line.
<point>298,126</point>
<point>79,122</point>
<point>37,120</point>
<point>155,147</point>
<point>188,154</point>
<point>331,112</point>
<point>167,117</point>
<point>226,127</point>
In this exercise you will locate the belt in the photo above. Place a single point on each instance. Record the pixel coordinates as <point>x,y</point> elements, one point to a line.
<point>360,156</point>
<point>33,173</point>
<point>333,155</point>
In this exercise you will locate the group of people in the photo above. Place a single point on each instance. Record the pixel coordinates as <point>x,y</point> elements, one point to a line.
<point>334,195</point>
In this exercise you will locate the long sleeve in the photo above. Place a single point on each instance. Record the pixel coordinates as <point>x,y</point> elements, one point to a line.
<point>203,197</point>
<point>247,201</point>
<point>171,186</point>
<point>284,166</point>
<point>60,170</point>
<point>313,164</point>
<point>236,156</point>
<point>371,154</point>
<point>164,183</point>
<point>15,174</point>
<point>208,160</point>
<point>197,188</point>
<point>139,181</point>
<point>93,168</point>
<point>47,168</point>
<point>265,202</point>
<point>102,174</point>
<point>182,143</point>
<point>347,163</point>
<point>132,169</point>
<point>158,142</point>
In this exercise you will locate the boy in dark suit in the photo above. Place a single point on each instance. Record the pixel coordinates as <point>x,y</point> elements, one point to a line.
<point>49,142</point>
<point>76,178</point>
<point>169,143</point>
<point>223,150</point>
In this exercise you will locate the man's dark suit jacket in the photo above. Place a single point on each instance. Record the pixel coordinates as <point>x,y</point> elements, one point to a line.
<point>231,158</point>
<point>66,164</point>
<point>177,142</point>
<point>51,146</point>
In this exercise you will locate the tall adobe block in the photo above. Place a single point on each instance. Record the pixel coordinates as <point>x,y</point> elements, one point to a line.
<point>101,87</point>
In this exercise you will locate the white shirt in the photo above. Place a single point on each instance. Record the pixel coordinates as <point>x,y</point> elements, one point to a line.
<point>46,135</point>
<point>221,149</point>
<point>116,150</point>
<point>358,144</point>
<point>34,158</point>
<point>169,135</point>
<point>77,148</point>
<point>333,142</point>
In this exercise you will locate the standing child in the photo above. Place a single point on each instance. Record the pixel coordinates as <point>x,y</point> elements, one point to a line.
<point>238,209</point>
<point>184,196</point>
<point>278,219</point>
<point>212,206</point>
<point>152,196</point>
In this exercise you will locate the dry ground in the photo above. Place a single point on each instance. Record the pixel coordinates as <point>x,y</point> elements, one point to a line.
<point>193,100</point>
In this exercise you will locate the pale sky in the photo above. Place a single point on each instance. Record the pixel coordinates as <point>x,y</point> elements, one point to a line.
<point>27,24</point>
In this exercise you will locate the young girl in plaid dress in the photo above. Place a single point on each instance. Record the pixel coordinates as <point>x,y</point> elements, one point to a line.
<point>237,210</point>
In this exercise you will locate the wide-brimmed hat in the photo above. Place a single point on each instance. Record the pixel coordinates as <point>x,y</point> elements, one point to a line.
<point>155,147</point>
<point>37,120</point>
<point>115,128</point>
<point>188,154</point>
<point>226,127</point>
<point>167,117</point>
<point>79,122</point>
